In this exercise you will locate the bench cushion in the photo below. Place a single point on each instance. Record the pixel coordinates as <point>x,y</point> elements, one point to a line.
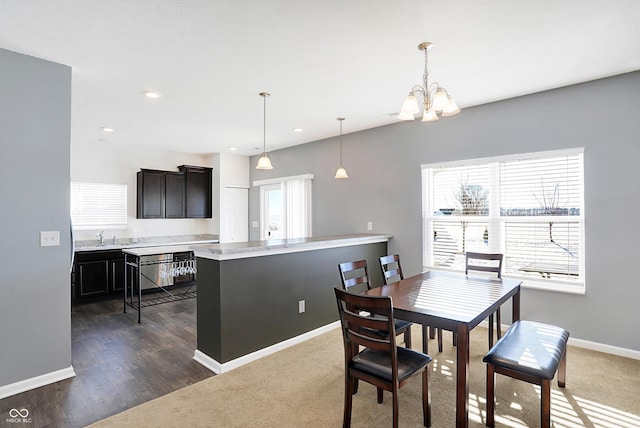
<point>531,348</point>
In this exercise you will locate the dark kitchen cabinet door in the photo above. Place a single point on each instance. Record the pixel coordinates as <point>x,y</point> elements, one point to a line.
<point>92,278</point>
<point>174,195</point>
<point>198,197</point>
<point>151,194</point>
<point>116,275</point>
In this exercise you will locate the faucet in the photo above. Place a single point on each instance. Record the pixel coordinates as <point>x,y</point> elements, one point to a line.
<point>114,240</point>
<point>100,237</point>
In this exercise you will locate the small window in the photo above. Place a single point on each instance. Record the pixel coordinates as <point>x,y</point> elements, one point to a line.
<point>98,205</point>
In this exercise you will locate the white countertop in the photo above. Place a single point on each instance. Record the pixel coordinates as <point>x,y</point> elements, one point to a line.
<point>238,250</point>
<point>147,242</point>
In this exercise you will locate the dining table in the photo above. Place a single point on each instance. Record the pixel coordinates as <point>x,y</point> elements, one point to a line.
<point>455,302</point>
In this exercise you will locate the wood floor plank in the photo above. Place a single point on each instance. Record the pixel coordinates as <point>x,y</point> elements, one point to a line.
<point>118,363</point>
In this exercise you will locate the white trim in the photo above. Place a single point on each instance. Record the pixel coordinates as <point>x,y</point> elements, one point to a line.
<point>36,382</point>
<point>219,368</point>
<point>606,349</point>
<point>505,158</point>
<point>587,344</point>
<point>281,179</point>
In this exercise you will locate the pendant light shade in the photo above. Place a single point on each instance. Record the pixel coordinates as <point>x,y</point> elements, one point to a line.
<point>341,172</point>
<point>264,162</point>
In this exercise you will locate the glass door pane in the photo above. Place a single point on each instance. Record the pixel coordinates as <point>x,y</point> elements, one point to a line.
<point>273,219</point>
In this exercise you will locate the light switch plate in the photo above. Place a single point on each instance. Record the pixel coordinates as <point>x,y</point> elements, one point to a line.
<point>50,238</point>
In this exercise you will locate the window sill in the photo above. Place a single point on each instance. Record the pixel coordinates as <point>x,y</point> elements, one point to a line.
<point>558,287</point>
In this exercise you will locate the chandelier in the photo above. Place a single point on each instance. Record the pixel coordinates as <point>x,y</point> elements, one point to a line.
<point>436,99</point>
<point>264,162</point>
<point>341,172</point>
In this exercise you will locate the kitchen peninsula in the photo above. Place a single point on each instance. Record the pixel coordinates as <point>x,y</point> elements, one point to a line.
<point>255,298</point>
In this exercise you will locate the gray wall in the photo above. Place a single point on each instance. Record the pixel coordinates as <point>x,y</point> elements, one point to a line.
<point>384,186</point>
<point>35,117</point>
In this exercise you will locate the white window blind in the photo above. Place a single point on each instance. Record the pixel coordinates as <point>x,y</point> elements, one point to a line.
<point>529,207</point>
<point>97,205</point>
<point>298,205</point>
<point>292,216</point>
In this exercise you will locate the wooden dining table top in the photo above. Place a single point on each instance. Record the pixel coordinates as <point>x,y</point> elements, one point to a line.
<point>444,299</point>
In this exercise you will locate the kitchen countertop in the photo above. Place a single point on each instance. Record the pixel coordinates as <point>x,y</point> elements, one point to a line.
<point>147,242</point>
<point>238,250</point>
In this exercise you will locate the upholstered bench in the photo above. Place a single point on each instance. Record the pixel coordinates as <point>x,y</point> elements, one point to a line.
<point>531,352</point>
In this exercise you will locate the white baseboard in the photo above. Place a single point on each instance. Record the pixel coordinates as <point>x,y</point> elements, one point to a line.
<point>594,346</point>
<point>36,382</point>
<point>607,349</point>
<point>218,367</point>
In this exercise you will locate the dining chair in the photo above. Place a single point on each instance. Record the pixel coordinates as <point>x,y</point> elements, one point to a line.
<point>355,277</point>
<point>374,358</point>
<point>486,262</point>
<point>392,272</point>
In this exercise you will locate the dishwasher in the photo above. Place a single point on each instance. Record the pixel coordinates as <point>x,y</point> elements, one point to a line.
<point>151,273</point>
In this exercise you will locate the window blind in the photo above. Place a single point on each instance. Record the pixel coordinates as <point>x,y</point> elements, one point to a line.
<point>528,207</point>
<point>95,205</point>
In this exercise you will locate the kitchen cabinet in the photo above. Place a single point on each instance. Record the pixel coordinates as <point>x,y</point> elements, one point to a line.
<point>92,278</point>
<point>116,274</point>
<point>198,185</point>
<point>174,194</point>
<point>99,273</point>
<point>175,190</point>
<point>151,194</point>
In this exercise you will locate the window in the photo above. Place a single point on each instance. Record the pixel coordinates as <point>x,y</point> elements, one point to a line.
<point>97,205</point>
<point>528,207</point>
<point>285,207</point>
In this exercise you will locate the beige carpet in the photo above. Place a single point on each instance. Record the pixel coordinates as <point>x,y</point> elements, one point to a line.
<point>303,386</point>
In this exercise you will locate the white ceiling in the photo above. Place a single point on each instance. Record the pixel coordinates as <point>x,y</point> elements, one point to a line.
<point>319,59</point>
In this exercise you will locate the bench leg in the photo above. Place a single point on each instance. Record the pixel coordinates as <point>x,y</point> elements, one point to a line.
<point>491,397</point>
<point>562,369</point>
<point>545,403</point>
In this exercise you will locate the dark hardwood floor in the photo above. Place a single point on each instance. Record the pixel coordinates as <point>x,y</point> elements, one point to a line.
<point>118,363</point>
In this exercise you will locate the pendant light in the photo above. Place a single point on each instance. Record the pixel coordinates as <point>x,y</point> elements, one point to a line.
<point>435,99</point>
<point>341,172</point>
<point>264,162</point>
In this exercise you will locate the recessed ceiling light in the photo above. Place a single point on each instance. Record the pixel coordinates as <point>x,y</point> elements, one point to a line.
<point>107,129</point>
<point>151,94</point>
<point>232,148</point>
<point>298,129</point>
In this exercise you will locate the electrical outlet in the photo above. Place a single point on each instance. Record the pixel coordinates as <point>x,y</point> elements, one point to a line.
<point>50,238</point>
<point>301,307</point>
<point>369,225</point>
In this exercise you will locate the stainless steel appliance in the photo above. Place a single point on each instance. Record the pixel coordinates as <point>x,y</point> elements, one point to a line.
<point>152,273</point>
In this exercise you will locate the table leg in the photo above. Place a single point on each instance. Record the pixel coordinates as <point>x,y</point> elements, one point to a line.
<point>515,307</point>
<point>462,384</point>
<point>425,339</point>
